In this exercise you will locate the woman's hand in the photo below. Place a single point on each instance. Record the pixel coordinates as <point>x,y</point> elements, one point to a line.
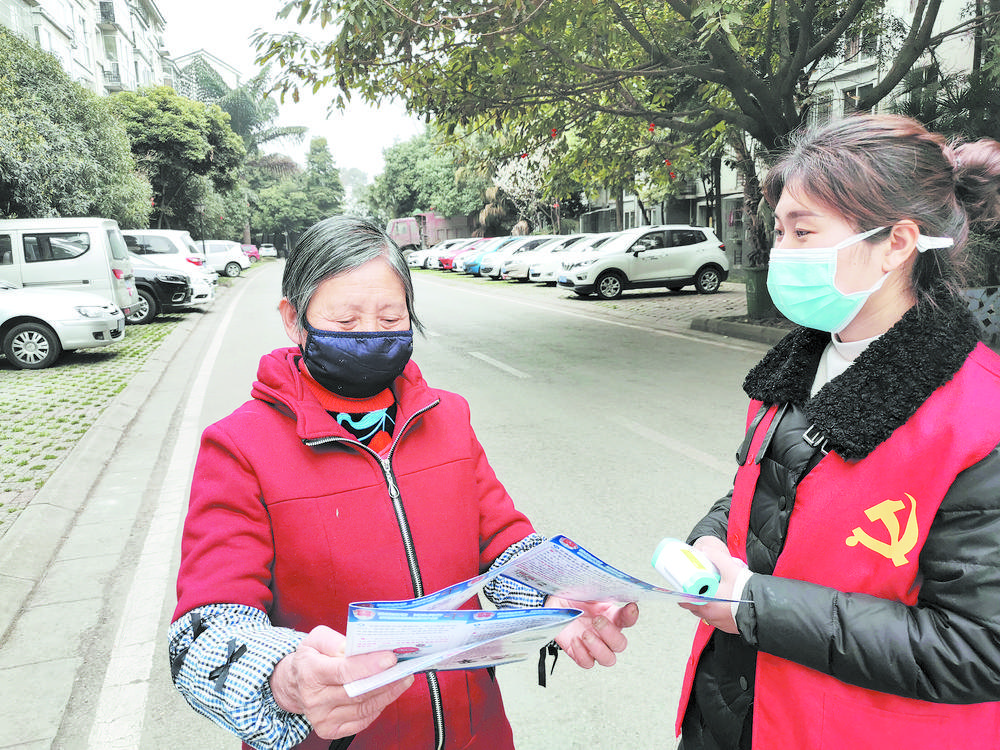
<point>596,635</point>
<point>310,680</point>
<point>719,614</point>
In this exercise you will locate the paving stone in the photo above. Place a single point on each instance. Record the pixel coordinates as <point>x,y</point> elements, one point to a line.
<point>47,633</point>
<point>72,580</point>
<point>45,687</point>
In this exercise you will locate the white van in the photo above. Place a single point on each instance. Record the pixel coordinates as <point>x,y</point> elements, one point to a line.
<point>82,254</point>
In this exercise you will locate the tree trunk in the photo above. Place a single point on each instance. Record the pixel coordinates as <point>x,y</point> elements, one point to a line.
<point>757,219</point>
<point>716,193</point>
<point>642,208</point>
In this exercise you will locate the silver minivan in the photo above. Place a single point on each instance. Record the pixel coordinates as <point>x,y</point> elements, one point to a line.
<point>83,254</point>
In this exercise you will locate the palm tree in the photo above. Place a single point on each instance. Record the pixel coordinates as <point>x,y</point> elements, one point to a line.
<point>252,116</point>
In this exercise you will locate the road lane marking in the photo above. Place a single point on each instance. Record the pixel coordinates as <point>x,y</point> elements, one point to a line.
<point>595,318</point>
<point>121,706</point>
<point>500,365</point>
<point>725,468</point>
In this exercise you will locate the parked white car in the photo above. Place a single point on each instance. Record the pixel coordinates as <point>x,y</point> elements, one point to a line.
<point>672,256</point>
<point>174,248</point>
<point>419,258</point>
<point>37,325</point>
<point>428,257</point>
<point>267,250</point>
<point>493,264</point>
<point>546,263</point>
<point>225,257</point>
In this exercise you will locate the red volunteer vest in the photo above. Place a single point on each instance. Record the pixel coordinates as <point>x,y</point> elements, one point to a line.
<point>885,505</point>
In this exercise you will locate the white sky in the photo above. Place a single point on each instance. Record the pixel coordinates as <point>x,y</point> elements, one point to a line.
<point>355,137</point>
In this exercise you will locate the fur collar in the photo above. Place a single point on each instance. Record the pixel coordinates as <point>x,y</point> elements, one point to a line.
<point>862,407</point>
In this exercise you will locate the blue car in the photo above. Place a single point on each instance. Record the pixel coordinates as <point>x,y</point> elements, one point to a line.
<point>472,264</point>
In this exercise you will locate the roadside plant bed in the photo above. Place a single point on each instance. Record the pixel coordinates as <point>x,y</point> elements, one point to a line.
<point>767,322</point>
<point>43,413</point>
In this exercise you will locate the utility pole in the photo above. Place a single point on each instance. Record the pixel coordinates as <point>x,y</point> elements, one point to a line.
<point>200,208</point>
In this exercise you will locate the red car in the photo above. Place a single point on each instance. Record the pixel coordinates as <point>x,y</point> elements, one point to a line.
<point>251,252</point>
<point>447,259</point>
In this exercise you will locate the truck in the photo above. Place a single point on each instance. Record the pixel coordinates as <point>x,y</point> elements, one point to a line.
<point>423,230</point>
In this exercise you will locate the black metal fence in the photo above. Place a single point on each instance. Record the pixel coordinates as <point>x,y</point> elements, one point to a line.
<point>985,305</point>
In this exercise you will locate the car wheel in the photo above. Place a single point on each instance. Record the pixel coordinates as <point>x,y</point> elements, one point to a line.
<point>707,280</point>
<point>609,285</point>
<point>31,346</point>
<point>233,269</point>
<point>145,311</point>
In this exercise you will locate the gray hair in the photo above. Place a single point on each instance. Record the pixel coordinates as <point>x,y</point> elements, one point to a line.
<point>334,246</point>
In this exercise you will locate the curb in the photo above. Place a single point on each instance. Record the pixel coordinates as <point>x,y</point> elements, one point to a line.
<point>34,538</point>
<point>762,334</point>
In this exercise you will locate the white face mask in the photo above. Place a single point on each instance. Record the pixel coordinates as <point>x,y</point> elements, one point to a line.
<point>802,283</point>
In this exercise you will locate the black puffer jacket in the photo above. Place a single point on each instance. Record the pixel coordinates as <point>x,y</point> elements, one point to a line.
<point>946,649</point>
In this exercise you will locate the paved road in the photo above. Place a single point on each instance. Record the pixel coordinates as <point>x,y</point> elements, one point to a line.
<point>604,420</point>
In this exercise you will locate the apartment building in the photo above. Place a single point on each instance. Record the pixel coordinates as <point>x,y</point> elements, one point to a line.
<point>187,82</point>
<point>105,45</point>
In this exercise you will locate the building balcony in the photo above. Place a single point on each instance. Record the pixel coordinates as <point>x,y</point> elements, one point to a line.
<point>106,15</point>
<point>113,79</point>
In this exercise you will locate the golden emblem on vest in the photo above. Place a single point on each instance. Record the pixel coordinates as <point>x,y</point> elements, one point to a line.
<point>899,544</point>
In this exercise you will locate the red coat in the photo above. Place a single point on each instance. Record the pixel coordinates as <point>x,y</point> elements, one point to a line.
<point>859,526</point>
<point>300,531</point>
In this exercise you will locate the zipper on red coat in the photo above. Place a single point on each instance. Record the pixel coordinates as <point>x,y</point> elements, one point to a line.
<point>433,686</point>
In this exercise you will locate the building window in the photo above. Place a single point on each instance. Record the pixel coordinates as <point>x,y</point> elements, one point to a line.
<point>860,45</point>
<point>853,95</point>
<point>821,111</point>
<point>110,47</point>
<point>85,40</point>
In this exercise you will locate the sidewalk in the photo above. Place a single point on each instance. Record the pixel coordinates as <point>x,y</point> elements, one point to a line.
<point>60,556</point>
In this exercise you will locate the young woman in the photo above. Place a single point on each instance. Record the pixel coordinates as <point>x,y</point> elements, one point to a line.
<point>862,534</point>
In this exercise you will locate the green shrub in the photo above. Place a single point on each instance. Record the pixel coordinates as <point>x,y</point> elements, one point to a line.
<point>63,152</point>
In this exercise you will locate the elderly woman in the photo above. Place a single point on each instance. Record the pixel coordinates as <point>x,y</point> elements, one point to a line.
<point>344,478</point>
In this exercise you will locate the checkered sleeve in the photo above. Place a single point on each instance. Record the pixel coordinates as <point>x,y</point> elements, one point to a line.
<point>506,593</point>
<point>221,659</point>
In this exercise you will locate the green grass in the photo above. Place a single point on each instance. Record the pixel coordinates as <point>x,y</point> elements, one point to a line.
<point>44,413</point>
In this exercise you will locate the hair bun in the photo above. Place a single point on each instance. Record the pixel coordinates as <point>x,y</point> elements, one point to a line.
<point>976,170</point>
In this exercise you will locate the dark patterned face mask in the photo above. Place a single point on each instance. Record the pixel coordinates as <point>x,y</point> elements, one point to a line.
<point>356,364</point>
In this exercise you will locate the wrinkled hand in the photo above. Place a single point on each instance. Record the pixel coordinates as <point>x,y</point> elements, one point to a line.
<point>596,635</point>
<point>718,614</point>
<point>310,680</point>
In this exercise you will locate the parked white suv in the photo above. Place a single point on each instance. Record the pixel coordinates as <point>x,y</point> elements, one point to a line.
<point>672,256</point>
<point>175,249</point>
<point>226,257</point>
